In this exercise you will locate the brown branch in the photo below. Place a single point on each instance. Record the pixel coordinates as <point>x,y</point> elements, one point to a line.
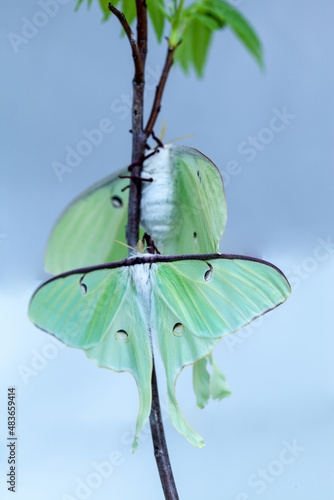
<point>160,89</point>
<point>136,56</point>
<point>160,446</point>
<point>142,28</point>
<point>138,135</point>
<point>139,139</point>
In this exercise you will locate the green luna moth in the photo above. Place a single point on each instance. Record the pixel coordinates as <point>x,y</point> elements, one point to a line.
<point>178,202</point>
<point>187,303</point>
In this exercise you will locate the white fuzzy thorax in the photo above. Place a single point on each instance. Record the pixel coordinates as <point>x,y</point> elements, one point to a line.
<point>140,274</point>
<point>157,203</point>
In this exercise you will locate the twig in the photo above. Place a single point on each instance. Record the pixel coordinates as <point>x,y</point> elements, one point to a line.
<point>142,28</point>
<point>139,70</point>
<point>160,88</point>
<point>139,138</point>
<point>160,446</point>
<point>138,135</point>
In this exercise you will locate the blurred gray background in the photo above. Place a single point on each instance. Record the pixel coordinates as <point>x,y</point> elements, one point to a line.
<point>273,438</point>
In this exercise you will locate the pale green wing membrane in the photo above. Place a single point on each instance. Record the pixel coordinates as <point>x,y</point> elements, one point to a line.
<point>178,346</point>
<point>199,201</point>
<point>201,382</point>
<point>218,385</point>
<point>99,312</point>
<point>196,302</point>
<point>85,233</point>
<point>206,385</point>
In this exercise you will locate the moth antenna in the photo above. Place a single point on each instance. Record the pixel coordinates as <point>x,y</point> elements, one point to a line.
<point>140,246</point>
<point>163,130</point>
<point>125,245</point>
<point>180,138</point>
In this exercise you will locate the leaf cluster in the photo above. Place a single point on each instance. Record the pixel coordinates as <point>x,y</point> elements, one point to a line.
<point>193,26</point>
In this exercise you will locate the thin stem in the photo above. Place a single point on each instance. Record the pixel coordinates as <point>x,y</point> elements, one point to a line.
<point>139,139</point>
<point>160,89</point>
<point>142,28</point>
<point>138,136</point>
<point>139,70</point>
<point>160,445</point>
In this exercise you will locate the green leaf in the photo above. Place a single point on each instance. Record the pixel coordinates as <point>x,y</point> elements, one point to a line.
<point>201,383</point>
<point>157,14</point>
<point>129,10</point>
<point>210,22</point>
<point>79,2</point>
<point>195,44</point>
<point>224,12</point>
<point>104,6</point>
<point>183,53</point>
<point>201,42</point>
<point>196,25</point>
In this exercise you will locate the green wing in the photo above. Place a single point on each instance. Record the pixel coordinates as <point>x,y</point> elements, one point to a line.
<point>100,313</point>
<point>197,302</point>
<point>85,233</point>
<point>200,203</point>
<point>206,385</point>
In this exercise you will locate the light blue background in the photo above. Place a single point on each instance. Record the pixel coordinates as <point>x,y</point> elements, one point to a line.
<point>71,413</point>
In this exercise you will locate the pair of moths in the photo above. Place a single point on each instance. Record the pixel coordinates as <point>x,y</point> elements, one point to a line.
<point>114,308</point>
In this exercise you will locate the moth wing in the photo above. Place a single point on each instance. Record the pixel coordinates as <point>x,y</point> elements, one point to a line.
<point>206,385</point>
<point>99,312</point>
<point>218,385</point>
<point>196,302</point>
<point>200,200</point>
<point>201,382</point>
<point>85,233</point>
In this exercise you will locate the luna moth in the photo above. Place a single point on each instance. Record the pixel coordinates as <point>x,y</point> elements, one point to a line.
<point>178,202</point>
<point>188,303</point>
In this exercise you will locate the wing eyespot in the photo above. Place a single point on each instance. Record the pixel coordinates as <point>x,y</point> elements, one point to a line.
<point>122,336</point>
<point>116,201</point>
<point>208,273</point>
<point>195,236</point>
<point>178,329</point>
